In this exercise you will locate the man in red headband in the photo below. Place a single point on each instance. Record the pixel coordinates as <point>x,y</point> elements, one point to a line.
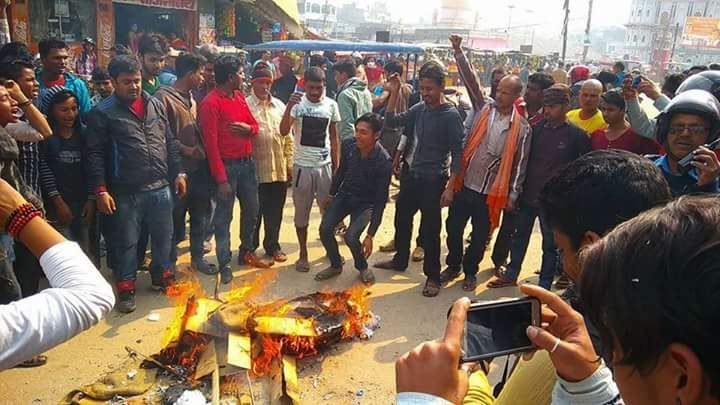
<point>273,153</point>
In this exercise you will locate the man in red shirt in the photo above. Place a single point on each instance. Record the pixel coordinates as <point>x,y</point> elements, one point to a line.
<point>228,128</point>
<point>618,134</point>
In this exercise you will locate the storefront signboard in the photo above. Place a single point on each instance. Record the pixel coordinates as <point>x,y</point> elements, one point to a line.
<point>190,5</point>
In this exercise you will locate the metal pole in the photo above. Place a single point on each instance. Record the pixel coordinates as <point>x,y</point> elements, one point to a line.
<point>586,45</point>
<point>675,35</point>
<point>565,29</point>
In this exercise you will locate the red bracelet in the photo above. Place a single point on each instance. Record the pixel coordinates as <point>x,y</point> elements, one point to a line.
<point>20,218</point>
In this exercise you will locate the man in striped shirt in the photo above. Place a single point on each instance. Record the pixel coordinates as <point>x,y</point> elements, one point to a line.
<point>483,171</point>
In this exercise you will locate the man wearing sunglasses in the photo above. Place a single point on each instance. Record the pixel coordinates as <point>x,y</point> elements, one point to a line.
<point>687,128</point>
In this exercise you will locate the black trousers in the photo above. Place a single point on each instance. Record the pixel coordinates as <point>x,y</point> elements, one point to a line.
<point>27,270</point>
<point>501,250</point>
<point>467,205</point>
<point>423,194</point>
<point>272,201</point>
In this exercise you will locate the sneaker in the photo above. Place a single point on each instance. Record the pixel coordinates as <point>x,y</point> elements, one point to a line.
<point>204,267</point>
<point>126,297</point>
<point>449,275</point>
<point>167,279</point>
<point>388,247</point>
<point>418,254</point>
<point>250,259</point>
<point>226,275</point>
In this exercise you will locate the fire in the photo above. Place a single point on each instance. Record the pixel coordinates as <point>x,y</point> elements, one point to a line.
<point>299,327</point>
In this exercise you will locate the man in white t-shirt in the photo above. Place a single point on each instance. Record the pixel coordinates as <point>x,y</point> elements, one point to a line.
<point>317,151</point>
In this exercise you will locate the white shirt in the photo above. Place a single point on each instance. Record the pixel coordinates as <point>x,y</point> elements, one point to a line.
<point>312,131</point>
<point>79,298</point>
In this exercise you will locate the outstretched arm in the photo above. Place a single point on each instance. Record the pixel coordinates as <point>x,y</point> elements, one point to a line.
<point>467,74</point>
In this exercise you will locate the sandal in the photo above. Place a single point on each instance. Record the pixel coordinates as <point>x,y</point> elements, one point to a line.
<point>367,276</point>
<point>469,284</point>
<point>328,273</point>
<point>302,266</point>
<point>36,361</point>
<point>432,289</point>
<point>499,282</point>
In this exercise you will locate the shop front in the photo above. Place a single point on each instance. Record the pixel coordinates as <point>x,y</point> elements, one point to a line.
<point>255,21</point>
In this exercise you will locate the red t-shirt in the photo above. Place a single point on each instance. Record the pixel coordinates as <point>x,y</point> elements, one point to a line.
<point>216,113</point>
<point>59,82</point>
<point>138,108</point>
<point>630,141</point>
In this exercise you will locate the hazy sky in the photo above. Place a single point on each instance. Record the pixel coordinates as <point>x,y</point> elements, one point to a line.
<point>547,14</point>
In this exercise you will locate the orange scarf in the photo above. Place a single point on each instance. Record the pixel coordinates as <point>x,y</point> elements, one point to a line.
<point>498,196</point>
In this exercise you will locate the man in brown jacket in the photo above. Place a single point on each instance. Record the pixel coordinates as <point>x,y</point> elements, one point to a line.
<point>182,117</point>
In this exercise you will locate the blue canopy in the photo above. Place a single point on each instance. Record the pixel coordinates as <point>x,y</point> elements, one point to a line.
<point>337,46</point>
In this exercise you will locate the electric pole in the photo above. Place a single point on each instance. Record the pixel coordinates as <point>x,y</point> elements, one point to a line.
<point>586,44</point>
<point>566,7</point>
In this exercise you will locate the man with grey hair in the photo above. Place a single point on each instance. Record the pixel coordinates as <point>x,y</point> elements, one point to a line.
<point>588,117</point>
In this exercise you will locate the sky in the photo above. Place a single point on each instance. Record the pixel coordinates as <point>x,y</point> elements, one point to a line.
<point>546,16</point>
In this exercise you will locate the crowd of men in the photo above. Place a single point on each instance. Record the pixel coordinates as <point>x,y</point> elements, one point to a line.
<point>123,165</point>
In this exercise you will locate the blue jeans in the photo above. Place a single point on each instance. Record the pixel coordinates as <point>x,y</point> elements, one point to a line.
<point>153,209</point>
<point>342,206</point>
<point>243,182</point>
<point>198,203</point>
<point>525,220</point>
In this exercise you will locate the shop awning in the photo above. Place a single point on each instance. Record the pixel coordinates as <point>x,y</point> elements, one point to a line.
<point>282,11</point>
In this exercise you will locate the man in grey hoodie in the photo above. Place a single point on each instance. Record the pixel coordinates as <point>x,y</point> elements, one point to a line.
<point>354,98</point>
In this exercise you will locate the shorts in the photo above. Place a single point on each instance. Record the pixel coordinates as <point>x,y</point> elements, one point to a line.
<point>309,183</point>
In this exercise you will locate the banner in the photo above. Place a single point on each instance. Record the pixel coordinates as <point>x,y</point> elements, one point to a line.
<point>701,32</point>
<point>174,4</point>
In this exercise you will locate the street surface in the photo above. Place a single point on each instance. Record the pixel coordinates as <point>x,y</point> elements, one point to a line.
<point>351,373</point>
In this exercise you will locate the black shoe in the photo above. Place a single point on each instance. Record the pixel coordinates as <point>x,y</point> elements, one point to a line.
<point>204,267</point>
<point>167,279</point>
<point>388,265</point>
<point>226,275</point>
<point>449,274</point>
<point>126,301</point>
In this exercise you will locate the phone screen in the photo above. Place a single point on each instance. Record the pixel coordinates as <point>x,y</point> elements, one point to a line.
<point>498,328</point>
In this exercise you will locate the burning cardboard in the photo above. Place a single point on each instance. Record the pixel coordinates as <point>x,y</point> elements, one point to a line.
<point>236,348</point>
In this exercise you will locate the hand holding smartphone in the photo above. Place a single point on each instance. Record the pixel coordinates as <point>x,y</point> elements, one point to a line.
<point>498,328</point>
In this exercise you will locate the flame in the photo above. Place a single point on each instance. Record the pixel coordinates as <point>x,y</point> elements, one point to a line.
<point>180,294</point>
<point>299,327</point>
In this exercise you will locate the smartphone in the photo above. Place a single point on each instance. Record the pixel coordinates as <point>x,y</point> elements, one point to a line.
<point>300,86</point>
<point>685,162</point>
<point>636,82</point>
<point>498,328</point>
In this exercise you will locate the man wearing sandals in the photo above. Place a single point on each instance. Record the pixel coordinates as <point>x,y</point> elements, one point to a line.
<point>359,189</point>
<point>438,134</point>
<point>491,175</point>
<point>555,143</point>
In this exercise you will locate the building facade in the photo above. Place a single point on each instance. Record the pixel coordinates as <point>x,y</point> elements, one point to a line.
<point>654,26</point>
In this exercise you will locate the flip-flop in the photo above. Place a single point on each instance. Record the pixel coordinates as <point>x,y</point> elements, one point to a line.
<point>302,266</point>
<point>36,361</point>
<point>500,282</point>
<point>431,289</point>
<point>328,273</point>
<point>449,275</point>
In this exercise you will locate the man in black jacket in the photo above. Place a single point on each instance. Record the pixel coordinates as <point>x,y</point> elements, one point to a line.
<point>133,157</point>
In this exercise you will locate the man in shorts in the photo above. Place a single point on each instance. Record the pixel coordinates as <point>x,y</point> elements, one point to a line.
<point>317,151</point>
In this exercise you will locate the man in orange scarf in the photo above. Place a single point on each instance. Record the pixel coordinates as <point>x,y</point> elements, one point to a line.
<point>491,176</point>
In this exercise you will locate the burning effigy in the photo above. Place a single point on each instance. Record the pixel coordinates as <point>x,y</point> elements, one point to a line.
<point>234,350</point>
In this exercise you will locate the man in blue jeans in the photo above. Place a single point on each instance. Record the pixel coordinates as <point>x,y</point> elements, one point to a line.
<point>555,143</point>
<point>131,156</point>
<point>228,128</point>
<point>359,189</point>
